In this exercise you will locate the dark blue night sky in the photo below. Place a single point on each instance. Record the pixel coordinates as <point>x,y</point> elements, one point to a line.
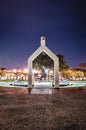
<point>23,22</point>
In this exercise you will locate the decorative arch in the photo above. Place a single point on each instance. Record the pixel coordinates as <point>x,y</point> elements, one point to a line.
<point>43,48</point>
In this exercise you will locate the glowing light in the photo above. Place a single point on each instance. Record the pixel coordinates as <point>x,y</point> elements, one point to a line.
<point>51,71</point>
<point>47,70</point>
<point>25,70</point>
<point>14,70</point>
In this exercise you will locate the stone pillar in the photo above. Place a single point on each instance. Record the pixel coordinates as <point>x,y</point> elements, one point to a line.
<point>56,75</point>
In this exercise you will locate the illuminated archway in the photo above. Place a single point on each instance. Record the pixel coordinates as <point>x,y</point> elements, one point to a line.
<point>45,49</point>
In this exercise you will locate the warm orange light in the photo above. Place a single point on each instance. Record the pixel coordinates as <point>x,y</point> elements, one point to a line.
<point>51,71</point>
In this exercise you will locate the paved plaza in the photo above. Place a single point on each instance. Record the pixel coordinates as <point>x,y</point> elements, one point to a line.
<point>60,109</point>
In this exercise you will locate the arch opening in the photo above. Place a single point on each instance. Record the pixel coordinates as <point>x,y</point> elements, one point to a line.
<point>43,70</point>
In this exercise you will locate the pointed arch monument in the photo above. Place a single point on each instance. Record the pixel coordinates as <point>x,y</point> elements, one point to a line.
<point>43,48</point>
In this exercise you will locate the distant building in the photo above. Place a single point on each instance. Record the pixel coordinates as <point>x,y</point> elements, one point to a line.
<point>82,66</point>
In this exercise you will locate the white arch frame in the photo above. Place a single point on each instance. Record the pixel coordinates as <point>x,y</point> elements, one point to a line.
<point>43,48</point>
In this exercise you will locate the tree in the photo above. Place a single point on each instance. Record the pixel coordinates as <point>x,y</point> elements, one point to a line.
<point>3,71</point>
<point>43,60</point>
<point>62,63</point>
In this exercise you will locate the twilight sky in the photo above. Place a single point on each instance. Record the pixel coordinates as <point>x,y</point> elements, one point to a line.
<point>23,22</point>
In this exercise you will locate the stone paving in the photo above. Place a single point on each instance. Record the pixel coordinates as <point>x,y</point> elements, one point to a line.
<point>64,109</point>
<point>41,91</point>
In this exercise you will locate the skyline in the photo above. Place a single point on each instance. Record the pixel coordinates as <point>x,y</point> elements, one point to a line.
<point>22,23</point>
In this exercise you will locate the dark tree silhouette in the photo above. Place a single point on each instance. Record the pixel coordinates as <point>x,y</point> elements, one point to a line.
<point>62,62</point>
<point>43,60</point>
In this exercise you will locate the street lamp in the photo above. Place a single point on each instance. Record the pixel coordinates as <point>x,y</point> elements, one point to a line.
<point>47,72</point>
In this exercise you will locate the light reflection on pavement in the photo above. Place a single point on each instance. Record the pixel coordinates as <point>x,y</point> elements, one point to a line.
<point>41,91</point>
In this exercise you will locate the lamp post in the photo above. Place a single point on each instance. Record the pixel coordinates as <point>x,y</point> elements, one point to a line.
<point>47,73</point>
